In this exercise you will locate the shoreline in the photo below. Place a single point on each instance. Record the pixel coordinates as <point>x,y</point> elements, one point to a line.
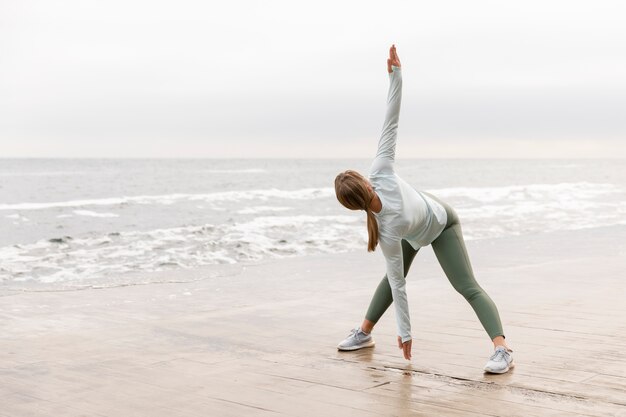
<point>263,340</point>
<point>199,273</point>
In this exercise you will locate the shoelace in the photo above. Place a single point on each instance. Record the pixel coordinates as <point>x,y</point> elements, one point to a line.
<point>498,354</point>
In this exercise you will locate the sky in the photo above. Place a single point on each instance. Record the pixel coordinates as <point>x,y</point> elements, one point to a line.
<point>291,79</point>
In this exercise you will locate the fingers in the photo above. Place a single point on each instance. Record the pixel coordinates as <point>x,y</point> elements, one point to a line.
<point>396,58</point>
<point>389,69</point>
<point>406,349</point>
<point>393,58</point>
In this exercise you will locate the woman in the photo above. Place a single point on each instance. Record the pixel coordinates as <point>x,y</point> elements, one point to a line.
<point>402,220</point>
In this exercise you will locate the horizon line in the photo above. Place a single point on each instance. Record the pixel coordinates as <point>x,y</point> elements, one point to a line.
<point>310,158</point>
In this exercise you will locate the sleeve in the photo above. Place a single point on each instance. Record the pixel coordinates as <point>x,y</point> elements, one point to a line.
<point>387,142</point>
<point>397,282</point>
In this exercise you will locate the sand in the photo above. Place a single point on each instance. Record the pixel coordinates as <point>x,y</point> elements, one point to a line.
<point>261,340</point>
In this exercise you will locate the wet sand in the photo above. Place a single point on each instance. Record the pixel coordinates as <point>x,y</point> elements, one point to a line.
<point>261,340</point>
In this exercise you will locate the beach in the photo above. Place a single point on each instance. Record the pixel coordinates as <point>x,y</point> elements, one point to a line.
<point>261,338</point>
<point>185,221</point>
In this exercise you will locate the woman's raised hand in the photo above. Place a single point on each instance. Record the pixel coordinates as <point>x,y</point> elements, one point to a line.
<point>393,59</point>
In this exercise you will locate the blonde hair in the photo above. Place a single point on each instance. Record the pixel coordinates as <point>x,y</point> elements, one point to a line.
<point>353,192</point>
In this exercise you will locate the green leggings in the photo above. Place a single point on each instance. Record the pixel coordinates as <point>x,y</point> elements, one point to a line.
<point>452,255</point>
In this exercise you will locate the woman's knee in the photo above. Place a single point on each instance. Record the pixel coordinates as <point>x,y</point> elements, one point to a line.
<point>470,292</point>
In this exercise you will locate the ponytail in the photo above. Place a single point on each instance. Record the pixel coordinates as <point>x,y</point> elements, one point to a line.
<point>372,231</point>
<point>354,192</point>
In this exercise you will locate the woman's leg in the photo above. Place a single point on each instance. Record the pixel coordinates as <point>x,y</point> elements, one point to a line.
<point>382,298</point>
<point>450,250</point>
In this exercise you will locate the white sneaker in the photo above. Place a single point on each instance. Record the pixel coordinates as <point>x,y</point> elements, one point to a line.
<point>357,339</point>
<point>500,362</point>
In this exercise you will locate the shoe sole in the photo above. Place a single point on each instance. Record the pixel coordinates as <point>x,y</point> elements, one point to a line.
<point>357,347</point>
<point>505,370</point>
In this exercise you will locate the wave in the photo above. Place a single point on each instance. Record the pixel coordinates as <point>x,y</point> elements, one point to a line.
<point>263,209</point>
<point>73,259</point>
<point>49,173</point>
<point>257,231</point>
<point>574,190</point>
<point>223,196</point>
<point>536,208</point>
<point>235,171</point>
<point>94,214</point>
<point>483,194</point>
<point>17,216</point>
<point>67,259</point>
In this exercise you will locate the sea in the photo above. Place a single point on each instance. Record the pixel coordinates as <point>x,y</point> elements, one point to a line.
<point>81,223</point>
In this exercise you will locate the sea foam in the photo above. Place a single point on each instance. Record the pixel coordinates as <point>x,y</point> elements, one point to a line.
<point>272,223</point>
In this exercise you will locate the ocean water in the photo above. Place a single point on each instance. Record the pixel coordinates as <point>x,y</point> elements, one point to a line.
<point>97,222</point>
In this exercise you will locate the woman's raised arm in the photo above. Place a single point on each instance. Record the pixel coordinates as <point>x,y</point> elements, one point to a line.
<point>387,142</point>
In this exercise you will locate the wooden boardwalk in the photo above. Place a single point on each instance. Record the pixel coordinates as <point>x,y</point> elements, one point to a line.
<point>261,342</point>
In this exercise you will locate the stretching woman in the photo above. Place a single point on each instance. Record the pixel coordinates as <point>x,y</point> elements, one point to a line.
<point>402,220</point>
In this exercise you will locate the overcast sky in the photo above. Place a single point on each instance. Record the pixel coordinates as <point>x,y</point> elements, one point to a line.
<point>130,78</point>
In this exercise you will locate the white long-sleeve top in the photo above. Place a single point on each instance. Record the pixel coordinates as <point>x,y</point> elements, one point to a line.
<point>406,213</point>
